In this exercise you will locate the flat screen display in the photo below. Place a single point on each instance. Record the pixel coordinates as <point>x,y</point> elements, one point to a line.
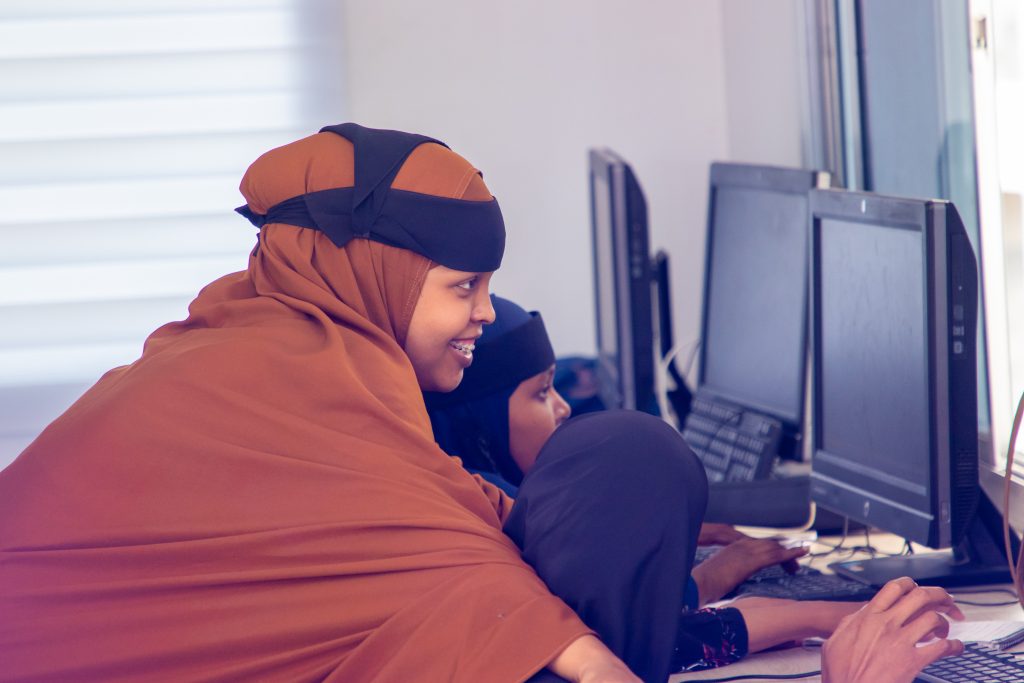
<point>755,321</point>
<point>873,354</point>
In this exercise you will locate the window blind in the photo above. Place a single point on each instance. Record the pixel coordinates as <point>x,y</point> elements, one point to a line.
<point>125,128</point>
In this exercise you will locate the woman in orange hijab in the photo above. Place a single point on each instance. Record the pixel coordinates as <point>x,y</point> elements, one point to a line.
<point>259,496</point>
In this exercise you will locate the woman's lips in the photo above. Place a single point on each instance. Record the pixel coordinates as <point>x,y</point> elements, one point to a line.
<point>465,347</point>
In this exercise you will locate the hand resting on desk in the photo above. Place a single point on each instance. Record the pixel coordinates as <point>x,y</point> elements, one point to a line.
<point>879,643</point>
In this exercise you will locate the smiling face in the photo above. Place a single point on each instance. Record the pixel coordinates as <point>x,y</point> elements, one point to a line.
<point>448,319</point>
<point>535,410</point>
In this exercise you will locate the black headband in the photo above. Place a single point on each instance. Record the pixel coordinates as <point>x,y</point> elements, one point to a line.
<point>457,233</point>
<point>503,362</point>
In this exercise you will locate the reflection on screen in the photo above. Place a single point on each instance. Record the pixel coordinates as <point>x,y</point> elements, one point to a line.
<point>873,354</point>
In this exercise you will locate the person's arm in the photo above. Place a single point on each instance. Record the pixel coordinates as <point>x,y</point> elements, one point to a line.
<point>713,637</point>
<point>879,643</point>
<point>771,621</point>
<point>712,533</point>
<point>588,660</point>
<point>734,563</point>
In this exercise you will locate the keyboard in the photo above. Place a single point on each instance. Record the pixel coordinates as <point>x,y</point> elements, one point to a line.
<point>979,663</point>
<point>805,584</point>
<point>734,444</point>
<point>808,584</point>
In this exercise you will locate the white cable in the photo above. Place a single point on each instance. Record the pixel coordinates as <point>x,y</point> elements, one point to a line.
<point>1015,562</point>
<point>661,382</point>
<point>661,390</point>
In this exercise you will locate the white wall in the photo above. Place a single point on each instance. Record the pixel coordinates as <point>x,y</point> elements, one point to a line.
<point>522,89</point>
<point>762,45</point>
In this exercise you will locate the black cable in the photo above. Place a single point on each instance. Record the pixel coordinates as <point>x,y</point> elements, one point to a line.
<point>759,677</point>
<point>867,547</point>
<point>833,548</point>
<point>979,591</point>
<point>984,604</point>
<point>875,552</point>
<point>871,550</point>
<point>983,591</point>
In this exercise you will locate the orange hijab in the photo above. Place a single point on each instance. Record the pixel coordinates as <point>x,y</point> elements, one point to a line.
<point>259,496</point>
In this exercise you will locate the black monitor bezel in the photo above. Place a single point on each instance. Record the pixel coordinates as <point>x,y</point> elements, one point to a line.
<point>775,179</point>
<point>632,285</point>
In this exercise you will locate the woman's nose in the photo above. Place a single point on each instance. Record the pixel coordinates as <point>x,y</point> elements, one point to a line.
<point>562,409</point>
<point>483,311</point>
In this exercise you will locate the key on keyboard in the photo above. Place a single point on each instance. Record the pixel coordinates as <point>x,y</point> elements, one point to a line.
<point>979,663</point>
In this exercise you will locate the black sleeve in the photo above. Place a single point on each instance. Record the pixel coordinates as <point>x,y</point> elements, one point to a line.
<point>709,638</point>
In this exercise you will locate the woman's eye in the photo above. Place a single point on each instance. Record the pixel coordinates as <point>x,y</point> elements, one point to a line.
<point>468,285</point>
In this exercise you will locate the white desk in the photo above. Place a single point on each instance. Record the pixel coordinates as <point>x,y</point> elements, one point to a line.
<point>800,659</point>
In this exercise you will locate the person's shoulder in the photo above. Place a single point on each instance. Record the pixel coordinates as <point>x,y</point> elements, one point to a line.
<point>496,479</point>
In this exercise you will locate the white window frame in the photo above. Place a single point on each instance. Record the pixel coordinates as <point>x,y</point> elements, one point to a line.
<point>1002,400</point>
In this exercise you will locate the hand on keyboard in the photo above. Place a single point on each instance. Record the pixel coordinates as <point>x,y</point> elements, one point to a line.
<point>718,534</point>
<point>731,565</point>
<point>879,643</point>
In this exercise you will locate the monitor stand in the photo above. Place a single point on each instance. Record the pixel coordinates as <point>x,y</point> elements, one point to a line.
<point>978,559</point>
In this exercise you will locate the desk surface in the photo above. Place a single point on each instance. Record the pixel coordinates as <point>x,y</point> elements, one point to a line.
<point>800,659</point>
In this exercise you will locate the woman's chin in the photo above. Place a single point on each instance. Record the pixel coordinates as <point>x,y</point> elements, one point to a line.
<point>445,383</point>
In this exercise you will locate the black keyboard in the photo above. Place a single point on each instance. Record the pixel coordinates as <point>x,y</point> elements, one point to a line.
<point>805,584</point>
<point>808,584</point>
<point>978,664</point>
<point>734,444</point>
<point>771,572</point>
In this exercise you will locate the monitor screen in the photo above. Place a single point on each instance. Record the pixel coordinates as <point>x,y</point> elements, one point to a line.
<point>754,341</point>
<point>873,353</point>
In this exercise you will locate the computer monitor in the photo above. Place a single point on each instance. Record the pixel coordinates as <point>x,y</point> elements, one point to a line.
<point>753,350</point>
<point>622,285</point>
<point>894,305</point>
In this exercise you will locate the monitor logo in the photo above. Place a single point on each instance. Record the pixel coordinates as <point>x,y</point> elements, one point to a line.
<point>867,507</point>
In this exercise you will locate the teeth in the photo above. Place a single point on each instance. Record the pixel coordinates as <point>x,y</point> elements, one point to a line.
<point>464,349</point>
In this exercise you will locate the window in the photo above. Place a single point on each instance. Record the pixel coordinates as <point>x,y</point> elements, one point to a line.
<point>125,128</point>
<point>998,58</point>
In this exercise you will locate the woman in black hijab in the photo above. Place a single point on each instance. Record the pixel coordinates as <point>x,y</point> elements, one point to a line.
<point>506,406</point>
<point>608,510</point>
